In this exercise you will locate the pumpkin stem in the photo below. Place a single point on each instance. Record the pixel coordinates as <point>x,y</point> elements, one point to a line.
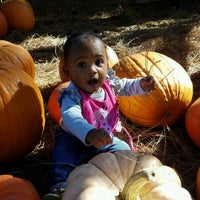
<point>138,185</point>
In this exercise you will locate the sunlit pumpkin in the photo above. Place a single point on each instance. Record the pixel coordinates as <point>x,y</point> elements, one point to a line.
<point>14,188</point>
<point>3,25</point>
<point>111,55</point>
<point>19,56</point>
<point>171,98</point>
<point>192,121</point>
<point>124,175</point>
<point>19,14</point>
<point>21,113</point>
<point>53,106</point>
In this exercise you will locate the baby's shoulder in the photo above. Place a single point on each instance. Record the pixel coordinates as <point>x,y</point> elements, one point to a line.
<point>71,93</point>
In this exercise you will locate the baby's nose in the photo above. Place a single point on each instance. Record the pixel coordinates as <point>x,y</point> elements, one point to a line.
<point>92,69</point>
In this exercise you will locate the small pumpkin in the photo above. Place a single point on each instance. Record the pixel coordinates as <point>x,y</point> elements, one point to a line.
<point>3,25</point>
<point>171,98</point>
<point>112,56</point>
<point>19,14</point>
<point>112,59</point>
<point>53,106</point>
<point>17,55</point>
<point>192,121</point>
<point>124,175</point>
<point>21,113</point>
<point>14,188</point>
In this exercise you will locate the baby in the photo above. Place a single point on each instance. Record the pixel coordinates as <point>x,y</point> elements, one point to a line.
<point>90,110</point>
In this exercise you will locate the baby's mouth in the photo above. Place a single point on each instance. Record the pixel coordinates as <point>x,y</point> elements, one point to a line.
<point>93,81</point>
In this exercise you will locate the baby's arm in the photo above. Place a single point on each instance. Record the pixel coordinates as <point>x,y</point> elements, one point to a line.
<point>74,122</point>
<point>130,87</point>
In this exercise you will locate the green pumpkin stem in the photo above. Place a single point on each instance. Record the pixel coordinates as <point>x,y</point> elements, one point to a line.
<point>138,185</point>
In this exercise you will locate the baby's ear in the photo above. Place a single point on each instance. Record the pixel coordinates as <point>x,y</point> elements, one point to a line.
<point>64,74</point>
<point>66,70</point>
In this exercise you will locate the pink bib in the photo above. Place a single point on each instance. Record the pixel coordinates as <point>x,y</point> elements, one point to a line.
<point>102,114</point>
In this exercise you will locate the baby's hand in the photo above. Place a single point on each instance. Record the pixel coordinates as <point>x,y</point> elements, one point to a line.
<point>148,83</point>
<point>98,138</point>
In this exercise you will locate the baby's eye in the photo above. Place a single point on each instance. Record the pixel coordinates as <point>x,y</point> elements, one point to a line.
<point>81,65</point>
<point>99,62</point>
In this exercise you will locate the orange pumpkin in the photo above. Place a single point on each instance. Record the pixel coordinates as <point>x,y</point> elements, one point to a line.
<point>21,113</point>
<point>171,98</point>
<point>192,121</point>
<point>19,14</point>
<point>198,183</point>
<point>53,106</point>
<point>19,56</point>
<point>3,24</point>
<point>13,188</point>
<point>112,59</point>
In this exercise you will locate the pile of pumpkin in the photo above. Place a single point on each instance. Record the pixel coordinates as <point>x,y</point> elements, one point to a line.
<point>22,116</point>
<point>17,15</point>
<point>122,175</point>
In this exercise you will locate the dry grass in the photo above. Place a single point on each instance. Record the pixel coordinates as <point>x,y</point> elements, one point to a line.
<point>127,29</point>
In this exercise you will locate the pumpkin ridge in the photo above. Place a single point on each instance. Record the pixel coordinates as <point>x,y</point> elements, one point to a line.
<point>160,58</point>
<point>18,55</point>
<point>85,174</point>
<point>26,65</point>
<point>18,88</point>
<point>138,70</point>
<point>111,163</point>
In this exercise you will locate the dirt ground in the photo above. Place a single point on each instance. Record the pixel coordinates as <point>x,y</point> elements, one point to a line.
<point>173,30</point>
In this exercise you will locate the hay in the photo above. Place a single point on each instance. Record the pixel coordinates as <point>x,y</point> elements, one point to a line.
<point>127,29</point>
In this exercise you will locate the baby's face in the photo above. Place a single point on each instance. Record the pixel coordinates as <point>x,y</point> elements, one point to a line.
<point>87,64</point>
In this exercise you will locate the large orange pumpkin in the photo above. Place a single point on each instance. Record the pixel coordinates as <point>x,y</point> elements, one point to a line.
<point>19,14</point>
<point>171,98</point>
<point>3,24</point>
<point>112,59</point>
<point>53,106</point>
<point>19,56</point>
<point>14,188</point>
<point>192,121</point>
<point>22,116</point>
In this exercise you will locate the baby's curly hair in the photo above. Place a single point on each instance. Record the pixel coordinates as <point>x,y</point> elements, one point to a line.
<point>75,38</point>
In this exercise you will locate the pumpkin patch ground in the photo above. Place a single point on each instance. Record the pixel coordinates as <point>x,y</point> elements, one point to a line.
<point>128,28</point>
